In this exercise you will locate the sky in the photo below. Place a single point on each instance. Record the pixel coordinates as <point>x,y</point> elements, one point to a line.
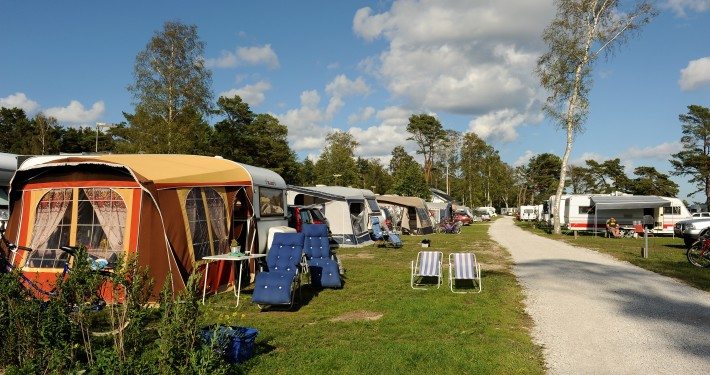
<point>366,66</point>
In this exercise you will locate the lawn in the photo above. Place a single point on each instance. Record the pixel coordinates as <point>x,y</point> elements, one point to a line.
<point>377,324</point>
<point>666,255</point>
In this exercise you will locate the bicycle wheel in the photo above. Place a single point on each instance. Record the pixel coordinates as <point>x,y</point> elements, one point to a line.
<point>696,257</point>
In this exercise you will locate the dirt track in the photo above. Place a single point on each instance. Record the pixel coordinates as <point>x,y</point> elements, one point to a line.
<point>596,315</point>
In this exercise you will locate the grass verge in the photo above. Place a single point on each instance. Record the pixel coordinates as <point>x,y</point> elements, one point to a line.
<point>666,255</point>
<point>378,324</point>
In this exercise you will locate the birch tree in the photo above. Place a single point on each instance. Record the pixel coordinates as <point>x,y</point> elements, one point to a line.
<point>581,31</point>
<point>171,92</point>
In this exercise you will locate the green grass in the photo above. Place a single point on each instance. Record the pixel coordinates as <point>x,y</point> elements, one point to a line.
<point>666,255</point>
<point>419,331</point>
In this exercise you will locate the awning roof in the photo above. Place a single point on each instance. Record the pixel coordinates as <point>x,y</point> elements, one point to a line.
<point>402,201</point>
<point>628,202</point>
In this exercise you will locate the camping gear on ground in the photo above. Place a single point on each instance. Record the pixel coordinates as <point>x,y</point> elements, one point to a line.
<point>425,268</point>
<point>322,263</point>
<point>384,236</point>
<point>277,284</point>
<point>234,344</point>
<point>409,214</point>
<point>462,267</point>
<point>348,210</point>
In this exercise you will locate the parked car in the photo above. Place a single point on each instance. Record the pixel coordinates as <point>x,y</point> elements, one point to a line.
<point>299,215</point>
<point>690,229</point>
<point>463,218</point>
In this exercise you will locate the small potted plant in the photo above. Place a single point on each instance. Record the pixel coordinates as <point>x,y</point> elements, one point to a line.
<point>235,246</point>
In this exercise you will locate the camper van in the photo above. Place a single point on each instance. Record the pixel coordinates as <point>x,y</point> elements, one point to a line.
<point>590,212</point>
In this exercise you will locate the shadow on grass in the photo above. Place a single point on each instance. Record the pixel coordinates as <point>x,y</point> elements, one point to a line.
<point>636,293</point>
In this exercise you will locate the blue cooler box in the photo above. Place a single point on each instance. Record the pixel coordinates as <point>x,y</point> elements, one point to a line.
<point>236,344</point>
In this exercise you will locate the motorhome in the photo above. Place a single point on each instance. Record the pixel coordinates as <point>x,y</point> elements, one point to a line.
<point>590,212</point>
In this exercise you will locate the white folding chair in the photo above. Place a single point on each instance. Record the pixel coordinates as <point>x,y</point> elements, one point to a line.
<point>427,266</point>
<point>464,266</point>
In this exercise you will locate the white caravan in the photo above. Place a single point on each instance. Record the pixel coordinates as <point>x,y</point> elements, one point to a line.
<point>590,212</point>
<point>528,213</point>
<point>549,216</point>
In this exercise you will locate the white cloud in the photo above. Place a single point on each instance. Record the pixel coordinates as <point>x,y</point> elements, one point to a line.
<point>524,159</point>
<point>474,58</point>
<point>695,75</point>
<point>342,87</point>
<point>658,152</point>
<point>252,94</point>
<point>75,112</point>
<point>263,55</point>
<point>364,115</point>
<point>681,7</point>
<point>581,161</point>
<point>19,100</point>
<point>377,141</point>
<point>306,125</point>
<point>501,125</point>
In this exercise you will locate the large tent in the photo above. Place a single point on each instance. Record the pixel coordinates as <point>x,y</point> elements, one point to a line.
<point>169,210</point>
<point>346,209</point>
<point>410,214</point>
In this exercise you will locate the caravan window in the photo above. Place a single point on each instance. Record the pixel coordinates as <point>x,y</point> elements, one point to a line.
<point>206,216</point>
<point>673,210</point>
<point>583,210</point>
<point>271,202</point>
<point>98,224</point>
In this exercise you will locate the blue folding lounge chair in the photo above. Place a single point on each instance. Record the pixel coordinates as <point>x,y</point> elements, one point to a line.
<point>463,266</point>
<point>322,264</point>
<point>384,237</point>
<point>278,283</point>
<point>427,267</point>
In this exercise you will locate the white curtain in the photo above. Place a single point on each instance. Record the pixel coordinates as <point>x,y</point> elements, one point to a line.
<point>218,220</point>
<point>111,212</point>
<point>50,211</point>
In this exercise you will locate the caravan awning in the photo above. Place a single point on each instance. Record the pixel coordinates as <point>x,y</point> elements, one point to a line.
<point>628,202</point>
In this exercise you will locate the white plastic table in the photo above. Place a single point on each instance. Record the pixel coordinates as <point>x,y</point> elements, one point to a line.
<point>237,263</point>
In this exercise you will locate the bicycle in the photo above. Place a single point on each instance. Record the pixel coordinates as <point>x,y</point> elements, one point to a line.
<point>85,308</point>
<point>698,253</point>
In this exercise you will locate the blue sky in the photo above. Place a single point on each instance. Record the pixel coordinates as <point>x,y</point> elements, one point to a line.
<point>366,66</point>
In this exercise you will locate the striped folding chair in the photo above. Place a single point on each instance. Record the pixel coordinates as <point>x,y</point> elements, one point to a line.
<point>426,268</point>
<point>463,266</point>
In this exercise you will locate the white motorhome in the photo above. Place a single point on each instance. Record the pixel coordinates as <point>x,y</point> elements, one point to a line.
<point>490,210</point>
<point>590,212</point>
<point>528,213</point>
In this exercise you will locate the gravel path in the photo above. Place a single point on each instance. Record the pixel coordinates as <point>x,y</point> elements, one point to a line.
<point>596,315</point>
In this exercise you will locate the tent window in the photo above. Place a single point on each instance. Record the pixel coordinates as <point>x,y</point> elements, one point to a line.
<point>206,216</point>
<point>357,217</point>
<point>197,219</point>
<point>271,202</point>
<point>218,220</point>
<point>101,222</point>
<point>51,230</point>
<point>673,210</point>
<point>99,225</point>
<point>374,207</point>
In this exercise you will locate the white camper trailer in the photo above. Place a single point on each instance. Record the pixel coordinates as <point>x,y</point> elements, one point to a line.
<point>549,218</point>
<point>590,212</point>
<point>528,213</point>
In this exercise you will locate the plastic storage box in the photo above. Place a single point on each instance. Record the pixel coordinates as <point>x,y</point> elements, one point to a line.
<point>236,344</point>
